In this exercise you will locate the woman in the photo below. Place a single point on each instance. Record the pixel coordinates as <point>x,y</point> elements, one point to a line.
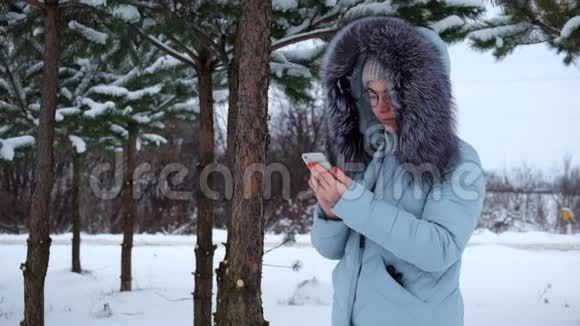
<point>401,205</point>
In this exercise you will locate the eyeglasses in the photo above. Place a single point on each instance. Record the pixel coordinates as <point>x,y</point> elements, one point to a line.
<point>374,97</point>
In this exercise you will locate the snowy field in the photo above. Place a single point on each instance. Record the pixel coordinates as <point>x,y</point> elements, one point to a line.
<point>509,279</point>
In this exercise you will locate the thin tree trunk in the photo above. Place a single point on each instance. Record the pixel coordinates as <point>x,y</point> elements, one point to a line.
<point>76,218</point>
<point>241,302</point>
<point>204,249</point>
<point>130,210</point>
<point>232,121</point>
<point>34,269</point>
<point>230,160</point>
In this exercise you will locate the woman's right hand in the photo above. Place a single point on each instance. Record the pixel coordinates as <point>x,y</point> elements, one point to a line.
<point>325,205</point>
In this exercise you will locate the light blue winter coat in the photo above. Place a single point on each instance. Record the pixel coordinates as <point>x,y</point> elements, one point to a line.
<point>393,216</point>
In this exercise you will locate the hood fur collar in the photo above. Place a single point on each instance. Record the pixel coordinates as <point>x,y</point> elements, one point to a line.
<point>419,86</point>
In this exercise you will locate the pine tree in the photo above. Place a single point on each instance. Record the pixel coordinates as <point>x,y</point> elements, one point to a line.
<point>555,23</point>
<point>102,63</point>
<point>188,31</point>
<point>135,94</point>
<point>34,269</point>
<point>84,50</point>
<point>43,28</point>
<point>21,59</point>
<point>75,131</point>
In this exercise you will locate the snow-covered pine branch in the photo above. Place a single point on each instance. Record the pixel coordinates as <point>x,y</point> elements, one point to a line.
<point>127,13</point>
<point>9,145</point>
<point>530,22</point>
<point>78,143</point>
<point>88,32</point>
<point>96,108</point>
<point>569,27</point>
<point>446,23</point>
<point>498,32</point>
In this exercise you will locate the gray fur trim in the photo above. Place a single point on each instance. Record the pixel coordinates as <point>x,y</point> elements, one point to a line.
<point>420,88</point>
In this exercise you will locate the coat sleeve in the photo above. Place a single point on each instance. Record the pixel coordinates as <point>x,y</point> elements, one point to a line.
<point>432,242</point>
<point>328,236</point>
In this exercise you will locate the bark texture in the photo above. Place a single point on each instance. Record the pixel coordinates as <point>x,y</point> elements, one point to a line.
<point>130,210</point>
<point>240,300</point>
<point>38,251</point>
<point>204,249</point>
<point>76,217</point>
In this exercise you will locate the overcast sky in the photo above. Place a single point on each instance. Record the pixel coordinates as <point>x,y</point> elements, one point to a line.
<point>523,108</point>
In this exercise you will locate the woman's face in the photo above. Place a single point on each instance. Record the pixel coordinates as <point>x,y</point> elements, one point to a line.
<point>381,104</point>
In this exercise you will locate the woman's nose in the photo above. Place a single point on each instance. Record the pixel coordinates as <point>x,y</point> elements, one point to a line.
<point>383,107</point>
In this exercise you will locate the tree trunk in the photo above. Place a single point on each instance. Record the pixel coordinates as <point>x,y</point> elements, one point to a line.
<point>34,269</point>
<point>241,300</point>
<point>130,210</point>
<point>204,249</point>
<point>230,160</point>
<point>76,206</point>
<point>232,121</point>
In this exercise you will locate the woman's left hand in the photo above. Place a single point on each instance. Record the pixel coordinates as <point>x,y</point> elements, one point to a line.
<point>328,185</point>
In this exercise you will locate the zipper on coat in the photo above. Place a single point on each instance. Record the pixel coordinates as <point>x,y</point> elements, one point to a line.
<point>361,243</point>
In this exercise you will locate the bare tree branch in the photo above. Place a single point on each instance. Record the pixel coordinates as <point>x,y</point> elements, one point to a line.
<point>70,3</point>
<point>547,28</point>
<point>165,48</point>
<point>202,37</point>
<point>189,52</point>
<point>303,37</point>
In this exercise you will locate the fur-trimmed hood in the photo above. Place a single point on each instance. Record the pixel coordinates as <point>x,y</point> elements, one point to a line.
<point>418,78</point>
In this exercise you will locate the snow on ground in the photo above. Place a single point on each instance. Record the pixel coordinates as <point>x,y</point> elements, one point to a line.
<point>526,240</point>
<point>501,285</point>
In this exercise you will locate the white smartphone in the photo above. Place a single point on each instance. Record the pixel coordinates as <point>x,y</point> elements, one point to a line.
<point>317,157</point>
